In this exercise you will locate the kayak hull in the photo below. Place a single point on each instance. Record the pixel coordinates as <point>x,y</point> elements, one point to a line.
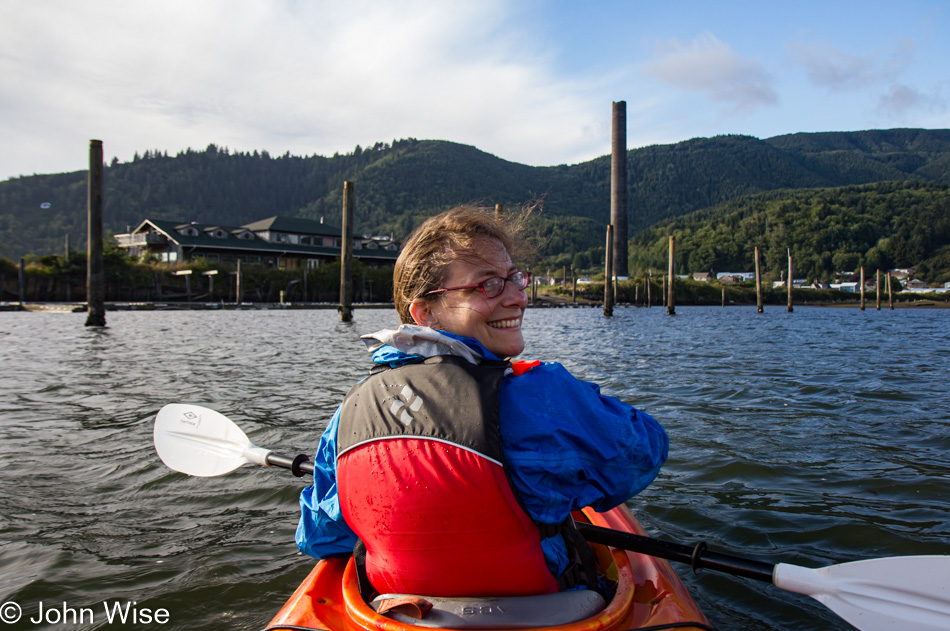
<point>648,593</point>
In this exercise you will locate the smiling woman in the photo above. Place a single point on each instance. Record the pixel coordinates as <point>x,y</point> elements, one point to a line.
<point>448,432</point>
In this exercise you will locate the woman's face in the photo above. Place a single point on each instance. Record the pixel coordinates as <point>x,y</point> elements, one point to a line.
<point>495,322</point>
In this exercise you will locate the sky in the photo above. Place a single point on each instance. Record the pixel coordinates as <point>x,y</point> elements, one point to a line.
<point>529,81</point>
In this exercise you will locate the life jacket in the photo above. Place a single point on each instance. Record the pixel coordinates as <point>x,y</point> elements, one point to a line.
<point>421,482</point>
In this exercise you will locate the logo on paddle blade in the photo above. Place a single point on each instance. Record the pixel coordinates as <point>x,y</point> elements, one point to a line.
<point>190,418</point>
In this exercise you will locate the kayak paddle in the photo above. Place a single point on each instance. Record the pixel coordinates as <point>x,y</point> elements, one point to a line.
<point>201,442</point>
<point>910,592</point>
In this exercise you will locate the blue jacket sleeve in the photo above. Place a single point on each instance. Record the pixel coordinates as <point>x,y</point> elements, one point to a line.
<point>567,446</point>
<point>321,531</point>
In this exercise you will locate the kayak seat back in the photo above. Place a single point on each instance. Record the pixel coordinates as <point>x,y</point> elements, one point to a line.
<point>506,612</point>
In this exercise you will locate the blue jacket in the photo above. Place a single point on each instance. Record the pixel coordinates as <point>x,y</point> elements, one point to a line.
<point>566,446</point>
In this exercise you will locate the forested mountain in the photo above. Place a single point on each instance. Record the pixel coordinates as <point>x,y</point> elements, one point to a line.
<point>399,184</point>
<point>879,226</point>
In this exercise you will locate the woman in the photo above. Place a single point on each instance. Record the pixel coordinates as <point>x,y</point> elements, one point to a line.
<point>457,468</point>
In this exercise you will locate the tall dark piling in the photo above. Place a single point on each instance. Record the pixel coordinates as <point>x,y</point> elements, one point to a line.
<point>758,282</point>
<point>237,283</point>
<point>346,255</point>
<point>671,298</point>
<point>95,267</point>
<point>862,289</point>
<point>618,187</point>
<point>609,273</point>
<point>21,281</point>
<point>890,295</point>
<point>69,288</point>
<point>877,289</point>
<point>789,283</point>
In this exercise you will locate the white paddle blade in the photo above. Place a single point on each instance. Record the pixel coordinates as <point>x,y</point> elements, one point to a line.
<point>201,442</point>
<point>911,592</point>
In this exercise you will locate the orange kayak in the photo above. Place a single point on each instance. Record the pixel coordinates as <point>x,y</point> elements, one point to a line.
<point>648,593</point>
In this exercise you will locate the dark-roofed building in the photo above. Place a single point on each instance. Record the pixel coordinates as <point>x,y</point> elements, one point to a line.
<point>279,242</point>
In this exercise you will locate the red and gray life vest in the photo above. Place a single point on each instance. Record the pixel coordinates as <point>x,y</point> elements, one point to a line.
<point>421,482</point>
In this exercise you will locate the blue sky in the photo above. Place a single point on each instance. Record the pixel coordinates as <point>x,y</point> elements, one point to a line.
<point>530,81</point>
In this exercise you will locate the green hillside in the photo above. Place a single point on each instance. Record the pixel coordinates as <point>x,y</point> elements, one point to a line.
<point>399,184</point>
<point>878,226</point>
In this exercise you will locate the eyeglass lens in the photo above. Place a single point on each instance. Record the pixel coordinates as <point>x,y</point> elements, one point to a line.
<point>494,286</point>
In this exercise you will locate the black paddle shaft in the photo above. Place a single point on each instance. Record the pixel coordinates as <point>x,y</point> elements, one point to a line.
<point>697,556</point>
<point>299,465</point>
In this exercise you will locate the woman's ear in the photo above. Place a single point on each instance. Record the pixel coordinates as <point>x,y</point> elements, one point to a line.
<point>421,311</point>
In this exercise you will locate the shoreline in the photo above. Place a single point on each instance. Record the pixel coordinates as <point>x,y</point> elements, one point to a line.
<point>543,302</point>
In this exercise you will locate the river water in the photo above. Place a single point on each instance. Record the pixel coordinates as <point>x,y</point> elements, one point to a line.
<point>816,437</point>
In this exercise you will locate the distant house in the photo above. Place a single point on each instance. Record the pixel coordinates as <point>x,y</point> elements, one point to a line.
<point>727,278</point>
<point>703,277</point>
<point>852,287</point>
<point>796,282</point>
<point>915,284</point>
<point>277,242</point>
<point>903,273</point>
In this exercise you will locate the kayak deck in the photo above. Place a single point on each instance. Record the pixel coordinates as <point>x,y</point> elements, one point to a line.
<point>648,593</point>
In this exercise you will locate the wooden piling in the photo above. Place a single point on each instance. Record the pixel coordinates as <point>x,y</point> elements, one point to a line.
<point>649,284</point>
<point>877,289</point>
<point>346,255</point>
<point>237,284</point>
<point>671,298</point>
<point>790,283</point>
<point>21,281</point>
<point>573,290</point>
<point>862,289</point>
<point>609,273</point>
<point>618,187</point>
<point>723,296</point>
<point>95,267</point>
<point>69,285</point>
<point>890,296</point>
<point>758,282</point>
<point>210,274</point>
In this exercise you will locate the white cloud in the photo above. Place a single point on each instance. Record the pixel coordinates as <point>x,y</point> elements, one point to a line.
<point>709,66</point>
<point>305,77</point>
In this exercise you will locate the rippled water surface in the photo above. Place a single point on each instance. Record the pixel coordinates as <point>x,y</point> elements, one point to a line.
<point>812,438</point>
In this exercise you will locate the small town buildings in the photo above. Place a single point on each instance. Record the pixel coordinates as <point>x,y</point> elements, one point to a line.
<point>703,277</point>
<point>275,242</point>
